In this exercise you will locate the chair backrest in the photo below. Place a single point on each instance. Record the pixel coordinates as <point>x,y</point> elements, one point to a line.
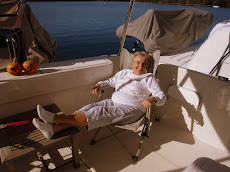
<point>156,57</point>
<point>126,63</point>
<point>126,60</point>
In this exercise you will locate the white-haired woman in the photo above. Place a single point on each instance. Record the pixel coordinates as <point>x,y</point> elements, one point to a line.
<point>128,103</point>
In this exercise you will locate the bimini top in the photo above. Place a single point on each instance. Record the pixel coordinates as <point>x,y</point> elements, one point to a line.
<point>168,31</point>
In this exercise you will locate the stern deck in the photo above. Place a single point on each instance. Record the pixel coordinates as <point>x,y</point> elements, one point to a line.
<point>166,150</point>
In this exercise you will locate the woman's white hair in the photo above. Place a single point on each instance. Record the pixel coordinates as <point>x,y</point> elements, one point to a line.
<point>142,54</point>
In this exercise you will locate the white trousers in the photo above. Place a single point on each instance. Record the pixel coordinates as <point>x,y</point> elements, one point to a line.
<point>107,112</point>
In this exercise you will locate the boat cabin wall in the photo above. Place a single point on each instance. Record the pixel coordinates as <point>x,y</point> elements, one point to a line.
<point>68,84</point>
<point>196,103</point>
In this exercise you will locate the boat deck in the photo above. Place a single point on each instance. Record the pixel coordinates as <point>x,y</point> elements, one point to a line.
<point>166,150</point>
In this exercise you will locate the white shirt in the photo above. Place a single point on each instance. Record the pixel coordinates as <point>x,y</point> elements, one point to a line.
<point>132,89</point>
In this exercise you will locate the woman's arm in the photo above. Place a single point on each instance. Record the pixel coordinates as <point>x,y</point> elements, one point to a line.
<point>158,97</point>
<point>149,102</point>
<point>96,89</point>
<point>109,82</point>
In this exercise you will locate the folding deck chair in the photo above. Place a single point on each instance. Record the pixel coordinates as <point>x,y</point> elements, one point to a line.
<point>126,61</point>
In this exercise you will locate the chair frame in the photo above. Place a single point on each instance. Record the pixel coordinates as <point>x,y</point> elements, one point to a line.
<point>147,118</point>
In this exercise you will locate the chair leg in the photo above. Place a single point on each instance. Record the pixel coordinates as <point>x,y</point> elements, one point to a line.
<point>157,119</point>
<point>93,141</point>
<point>10,166</point>
<point>135,157</point>
<point>76,161</point>
<point>145,133</point>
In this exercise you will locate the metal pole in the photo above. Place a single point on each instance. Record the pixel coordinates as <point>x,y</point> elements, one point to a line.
<point>126,25</point>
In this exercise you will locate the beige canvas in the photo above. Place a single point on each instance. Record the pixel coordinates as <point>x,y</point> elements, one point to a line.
<point>168,31</point>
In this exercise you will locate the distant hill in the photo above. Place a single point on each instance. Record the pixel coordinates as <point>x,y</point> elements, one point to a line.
<point>220,3</point>
<point>217,3</point>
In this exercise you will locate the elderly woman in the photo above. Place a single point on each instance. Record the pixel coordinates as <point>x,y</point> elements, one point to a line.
<point>127,105</point>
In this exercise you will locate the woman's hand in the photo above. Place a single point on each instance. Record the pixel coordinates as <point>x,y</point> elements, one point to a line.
<point>96,89</point>
<point>149,102</point>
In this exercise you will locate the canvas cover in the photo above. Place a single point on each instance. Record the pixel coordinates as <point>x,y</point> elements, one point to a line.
<point>33,41</point>
<point>168,31</point>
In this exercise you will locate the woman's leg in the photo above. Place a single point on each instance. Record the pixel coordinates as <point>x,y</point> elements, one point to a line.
<point>45,115</point>
<point>103,103</point>
<point>48,130</point>
<point>58,128</point>
<point>60,122</point>
<point>76,119</point>
<point>55,123</point>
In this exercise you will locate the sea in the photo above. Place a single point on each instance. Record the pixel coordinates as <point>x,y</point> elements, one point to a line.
<point>88,29</point>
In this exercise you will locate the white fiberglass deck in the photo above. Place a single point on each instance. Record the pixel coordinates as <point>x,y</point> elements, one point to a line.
<point>166,150</point>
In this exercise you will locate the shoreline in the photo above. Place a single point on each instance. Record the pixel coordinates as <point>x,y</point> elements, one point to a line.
<point>165,2</point>
<point>198,5</point>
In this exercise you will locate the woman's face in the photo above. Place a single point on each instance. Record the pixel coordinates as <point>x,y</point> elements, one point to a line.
<point>139,65</point>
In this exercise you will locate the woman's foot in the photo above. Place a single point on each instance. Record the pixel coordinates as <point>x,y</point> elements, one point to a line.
<point>46,129</point>
<point>45,115</point>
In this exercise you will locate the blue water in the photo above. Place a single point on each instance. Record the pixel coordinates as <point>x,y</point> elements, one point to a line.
<point>87,29</point>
